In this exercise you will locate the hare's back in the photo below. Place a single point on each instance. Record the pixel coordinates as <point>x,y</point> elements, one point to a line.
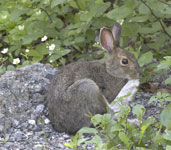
<point>94,70</point>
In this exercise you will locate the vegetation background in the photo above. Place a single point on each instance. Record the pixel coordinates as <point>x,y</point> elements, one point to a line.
<point>62,31</point>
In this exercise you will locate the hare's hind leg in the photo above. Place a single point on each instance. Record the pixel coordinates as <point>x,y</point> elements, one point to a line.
<point>83,97</point>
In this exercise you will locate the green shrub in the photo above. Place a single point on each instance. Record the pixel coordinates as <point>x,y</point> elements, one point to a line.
<point>72,26</point>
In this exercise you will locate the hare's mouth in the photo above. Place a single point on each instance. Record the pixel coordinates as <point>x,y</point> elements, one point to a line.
<point>133,76</point>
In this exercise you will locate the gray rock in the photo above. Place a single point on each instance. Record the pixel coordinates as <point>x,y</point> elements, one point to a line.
<point>39,109</point>
<point>18,136</point>
<point>3,85</point>
<point>8,144</point>
<point>15,123</point>
<point>2,128</point>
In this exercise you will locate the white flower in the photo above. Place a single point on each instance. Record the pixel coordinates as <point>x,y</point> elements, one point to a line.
<point>21,27</point>
<point>27,50</point>
<point>51,61</point>
<point>4,51</point>
<point>121,21</point>
<point>52,47</point>
<point>38,12</point>
<point>44,38</point>
<point>46,121</point>
<point>16,61</point>
<point>4,17</point>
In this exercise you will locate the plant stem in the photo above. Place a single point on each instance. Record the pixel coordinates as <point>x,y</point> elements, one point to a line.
<point>77,4</point>
<point>159,129</point>
<point>158,19</point>
<point>47,14</point>
<point>165,3</point>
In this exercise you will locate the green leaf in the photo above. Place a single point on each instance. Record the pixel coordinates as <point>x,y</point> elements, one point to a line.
<point>16,13</point>
<point>143,9</point>
<point>165,64</point>
<point>37,59</point>
<point>165,116</point>
<point>59,23</point>
<point>139,111</point>
<point>142,148</point>
<point>143,129</point>
<point>41,49</point>
<point>96,140</point>
<point>119,13</point>
<point>98,10</point>
<point>167,135</point>
<point>10,67</point>
<point>142,18</point>
<point>168,147</point>
<point>57,2</point>
<point>116,127</point>
<point>97,119</point>
<point>131,4</point>
<point>145,58</point>
<point>168,81</point>
<point>155,46</point>
<point>5,140</point>
<point>156,26</point>
<point>69,145</point>
<point>79,39</point>
<point>124,138</point>
<point>86,16</point>
<point>88,130</point>
<point>130,29</point>
<point>146,30</point>
<point>61,52</point>
<point>90,34</point>
<point>30,38</point>
<point>152,98</point>
<point>33,53</point>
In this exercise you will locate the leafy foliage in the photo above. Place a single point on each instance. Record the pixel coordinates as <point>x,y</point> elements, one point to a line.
<point>71,26</point>
<point>109,134</point>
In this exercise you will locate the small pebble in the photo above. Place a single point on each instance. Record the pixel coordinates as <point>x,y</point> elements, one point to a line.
<point>1,128</point>
<point>47,121</point>
<point>32,122</point>
<point>40,108</point>
<point>15,123</point>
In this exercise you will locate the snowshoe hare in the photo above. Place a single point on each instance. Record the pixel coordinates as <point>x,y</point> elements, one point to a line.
<point>83,87</point>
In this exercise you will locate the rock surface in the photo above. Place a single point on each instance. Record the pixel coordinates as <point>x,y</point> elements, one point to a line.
<point>23,115</point>
<point>24,122</point>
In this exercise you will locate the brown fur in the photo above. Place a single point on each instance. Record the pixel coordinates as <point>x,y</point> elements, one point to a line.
<point>80,87</point>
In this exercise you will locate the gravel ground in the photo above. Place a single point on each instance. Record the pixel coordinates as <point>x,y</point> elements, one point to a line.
<point>24,123</point>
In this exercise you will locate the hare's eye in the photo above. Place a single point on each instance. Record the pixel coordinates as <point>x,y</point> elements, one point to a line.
<point>124,61</point>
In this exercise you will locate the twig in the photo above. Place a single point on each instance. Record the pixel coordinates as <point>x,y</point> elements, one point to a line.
<point>47,14</point>
<point>49,17</point>
<point>165,3</point>
<point>77,4</point>
<point>158,19</point>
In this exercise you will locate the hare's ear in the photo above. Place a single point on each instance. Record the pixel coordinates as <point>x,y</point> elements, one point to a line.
<point>106,39</point>
<point>116,31</point>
